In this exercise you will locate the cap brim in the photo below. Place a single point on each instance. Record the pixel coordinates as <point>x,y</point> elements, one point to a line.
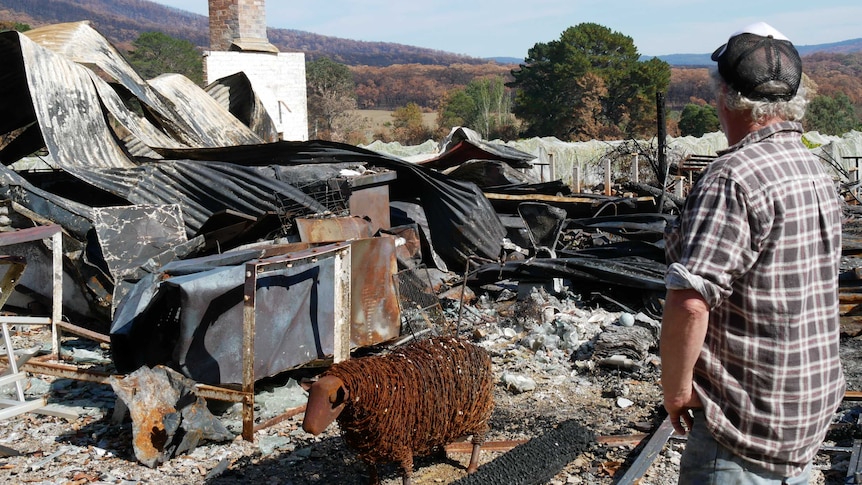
<point>718,52</point>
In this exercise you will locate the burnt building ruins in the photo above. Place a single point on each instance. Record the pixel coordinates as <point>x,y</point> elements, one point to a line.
<point>238,43</point>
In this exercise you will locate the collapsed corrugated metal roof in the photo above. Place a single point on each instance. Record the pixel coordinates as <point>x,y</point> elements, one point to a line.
<point>70,91</point>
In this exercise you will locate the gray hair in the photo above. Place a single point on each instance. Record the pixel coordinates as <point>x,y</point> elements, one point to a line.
<point>791,110</point>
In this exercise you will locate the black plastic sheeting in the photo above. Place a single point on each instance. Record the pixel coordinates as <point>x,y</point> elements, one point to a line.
<point>463,224</point>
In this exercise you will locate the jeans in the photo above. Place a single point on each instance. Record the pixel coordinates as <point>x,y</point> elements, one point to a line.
<point>706,462</point>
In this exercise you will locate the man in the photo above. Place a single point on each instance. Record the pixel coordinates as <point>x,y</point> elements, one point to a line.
<point>749,343</point>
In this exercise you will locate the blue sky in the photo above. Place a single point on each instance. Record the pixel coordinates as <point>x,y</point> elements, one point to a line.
<point>509,28</point>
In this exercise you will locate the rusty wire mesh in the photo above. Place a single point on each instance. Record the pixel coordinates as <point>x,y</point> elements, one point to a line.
<point>420,306</point>
<point>415,399</point>
<point>329,193</point>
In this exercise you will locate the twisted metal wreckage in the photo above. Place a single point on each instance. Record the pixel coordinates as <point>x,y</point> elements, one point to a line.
<point>162,206</point>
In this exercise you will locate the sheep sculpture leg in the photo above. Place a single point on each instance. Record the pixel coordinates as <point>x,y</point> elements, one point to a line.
<point>474,457</point>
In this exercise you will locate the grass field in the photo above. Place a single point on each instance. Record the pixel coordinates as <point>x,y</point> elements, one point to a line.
<point>377,119</point>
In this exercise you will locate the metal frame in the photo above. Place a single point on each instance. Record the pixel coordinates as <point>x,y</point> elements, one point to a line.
<point>341,331</point>
<point>274,261</point>
<point>10,407</point>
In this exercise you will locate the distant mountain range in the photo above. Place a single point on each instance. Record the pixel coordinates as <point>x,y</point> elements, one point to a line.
<point>122,21</point>
<point>843,47</point>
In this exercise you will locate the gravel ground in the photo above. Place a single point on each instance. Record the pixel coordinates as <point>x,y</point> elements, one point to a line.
<point>617,407</point>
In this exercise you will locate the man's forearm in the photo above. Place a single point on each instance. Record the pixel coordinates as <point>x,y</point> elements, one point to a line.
<point>683,329</point>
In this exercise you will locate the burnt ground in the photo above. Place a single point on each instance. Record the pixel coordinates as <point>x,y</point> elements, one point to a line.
<point>615,409</point>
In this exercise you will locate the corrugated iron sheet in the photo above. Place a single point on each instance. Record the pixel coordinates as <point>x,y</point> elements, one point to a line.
<point>235,94</point>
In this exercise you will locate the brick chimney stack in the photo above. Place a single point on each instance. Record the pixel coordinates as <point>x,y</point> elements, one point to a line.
<point>239,25</point>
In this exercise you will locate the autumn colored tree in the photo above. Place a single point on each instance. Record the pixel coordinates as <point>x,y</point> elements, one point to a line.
<point>689,85</point>
<point>551,83</point>
<point>408,127</point>
<point>156,53</point>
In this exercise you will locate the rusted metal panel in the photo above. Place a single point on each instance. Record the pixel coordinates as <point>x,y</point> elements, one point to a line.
<point>333,229</point>
<point>375,312</point>
<point>408,243</point>
<point>369,197</point>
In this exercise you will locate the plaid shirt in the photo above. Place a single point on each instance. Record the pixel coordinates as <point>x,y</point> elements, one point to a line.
<point>760,239</point>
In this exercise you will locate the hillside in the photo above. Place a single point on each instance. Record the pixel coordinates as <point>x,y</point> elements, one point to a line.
<point>391,75</point>
<point>122,21</point>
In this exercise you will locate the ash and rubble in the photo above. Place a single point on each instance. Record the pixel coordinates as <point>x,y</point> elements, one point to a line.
<point>162,214</point>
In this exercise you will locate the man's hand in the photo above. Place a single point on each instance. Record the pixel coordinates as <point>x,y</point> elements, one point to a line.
<point>678,411</point>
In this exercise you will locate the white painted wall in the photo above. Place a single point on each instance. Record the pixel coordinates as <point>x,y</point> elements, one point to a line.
<point>278,80</point>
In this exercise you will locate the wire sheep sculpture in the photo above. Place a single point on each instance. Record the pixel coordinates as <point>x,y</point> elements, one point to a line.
<point>410,402</point>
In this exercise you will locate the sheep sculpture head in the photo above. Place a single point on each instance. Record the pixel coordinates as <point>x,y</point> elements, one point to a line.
<point>406,403</point>
<point>326,399</point>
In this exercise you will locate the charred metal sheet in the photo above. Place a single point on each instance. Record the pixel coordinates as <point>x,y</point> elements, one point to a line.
<point>206,118</point>
<point>641,227</point>
<point>207,125</point>
<point>369,197</point>
<point>375,312</point>
<point>78,42</point>
<point>194,322</point>
<point>65,102</point>
<point>463,223</point>
<point>168,417</point>
<point>131,235</point>
<point>202,189</point>
<point>584,272</point>
<point>140,239</point>
<point>544,223</point>
<point>235,94</point>
<point>489,173</point>
<point>332,229</point>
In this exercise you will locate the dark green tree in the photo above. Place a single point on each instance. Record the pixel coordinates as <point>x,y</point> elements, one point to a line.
<point>831,115</point>
<point>553,79</point>
<point>697,120</point>
<point>331,94</point>
<point>458,109</point>
<point>156,53</point>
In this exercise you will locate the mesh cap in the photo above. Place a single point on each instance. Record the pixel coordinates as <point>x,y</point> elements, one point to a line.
<point>761,63</point>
